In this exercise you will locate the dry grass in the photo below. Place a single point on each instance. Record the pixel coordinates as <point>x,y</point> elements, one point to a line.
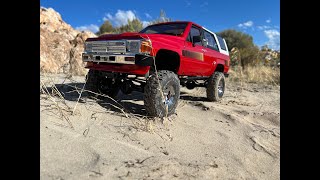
<point>259,75</point>
<point>58,102</point>
<point>56,98</point>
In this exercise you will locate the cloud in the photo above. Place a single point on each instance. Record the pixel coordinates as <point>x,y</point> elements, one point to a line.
<point>203,4</point>
<point>274,38</point>
<point>245,24</point>
<point>92,27</point>
<point>272,33</point>
<point>148,15</point>
<point>263,27</point>
<point>120,18</point>
<point>268,21</point>
<point>188,3</point>
<point>109,16</point>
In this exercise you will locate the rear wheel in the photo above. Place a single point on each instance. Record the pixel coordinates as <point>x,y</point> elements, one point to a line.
<point>162,102</point>
<point>216,86</point>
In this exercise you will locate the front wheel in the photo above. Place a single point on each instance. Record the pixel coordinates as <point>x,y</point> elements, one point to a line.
<point>216,86</point>
<point>96,84</point>
<point>92,82</point>
<point>108,87</point>
<point>161,94</point>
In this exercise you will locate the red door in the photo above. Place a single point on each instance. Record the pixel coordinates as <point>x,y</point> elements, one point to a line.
<point>212,53</point>
<point>195,62</point>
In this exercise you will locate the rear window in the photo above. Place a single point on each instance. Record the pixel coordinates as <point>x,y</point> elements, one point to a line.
<point>221,42</point>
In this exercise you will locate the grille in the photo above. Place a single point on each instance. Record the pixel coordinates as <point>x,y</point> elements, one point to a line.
<point>116,48</point>
<point>108,46</point>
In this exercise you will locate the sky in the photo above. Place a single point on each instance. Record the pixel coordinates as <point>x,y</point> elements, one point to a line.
<point>258,18</point>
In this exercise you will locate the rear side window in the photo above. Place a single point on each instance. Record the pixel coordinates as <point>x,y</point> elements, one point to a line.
<point>212,44</point>
<point>221,42</point>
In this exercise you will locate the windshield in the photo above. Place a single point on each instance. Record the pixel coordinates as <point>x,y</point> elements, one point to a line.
<point>171,29</point>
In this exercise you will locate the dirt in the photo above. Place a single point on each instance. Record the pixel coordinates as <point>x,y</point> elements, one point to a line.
<point>237,138</point>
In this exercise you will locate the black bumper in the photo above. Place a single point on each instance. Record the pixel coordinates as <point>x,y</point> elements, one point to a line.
<point>144,60</point>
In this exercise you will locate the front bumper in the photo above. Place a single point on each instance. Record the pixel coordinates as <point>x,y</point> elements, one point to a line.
<point>108,58</point>
<point>137,59</point>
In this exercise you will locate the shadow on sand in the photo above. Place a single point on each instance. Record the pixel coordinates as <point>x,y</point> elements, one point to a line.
<point>133,103</point>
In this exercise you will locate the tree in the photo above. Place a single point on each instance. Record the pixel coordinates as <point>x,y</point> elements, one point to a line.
<point>250,56</point>
<point>106,27</point>
<point>134,25</point>
<point>249,52</point>
<point>236,39</point>
<point>162,18</point>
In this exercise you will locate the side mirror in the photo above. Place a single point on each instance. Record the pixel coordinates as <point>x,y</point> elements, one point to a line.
<point>196,39</point>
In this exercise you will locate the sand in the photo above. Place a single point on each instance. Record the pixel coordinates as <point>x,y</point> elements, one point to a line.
<point>237,138</point>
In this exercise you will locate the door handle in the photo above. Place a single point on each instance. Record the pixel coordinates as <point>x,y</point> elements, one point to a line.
<point>203,50</point>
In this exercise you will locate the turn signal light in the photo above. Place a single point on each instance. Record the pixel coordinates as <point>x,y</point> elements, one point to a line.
<point>145,47</point>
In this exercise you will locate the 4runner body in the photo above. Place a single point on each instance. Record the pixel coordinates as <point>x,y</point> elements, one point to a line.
<point>179,52</point>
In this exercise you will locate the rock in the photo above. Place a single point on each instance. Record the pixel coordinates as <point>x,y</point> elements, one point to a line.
<point>60,45</point>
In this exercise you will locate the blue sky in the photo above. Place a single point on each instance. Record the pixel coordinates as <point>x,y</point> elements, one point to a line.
<point>259,18</point>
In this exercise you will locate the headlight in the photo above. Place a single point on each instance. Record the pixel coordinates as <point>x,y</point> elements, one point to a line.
<point>145,47</point>
<point>133,46</point>
<point>88,47</point>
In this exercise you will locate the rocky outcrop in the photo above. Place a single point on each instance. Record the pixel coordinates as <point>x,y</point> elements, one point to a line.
<point>60,45</point>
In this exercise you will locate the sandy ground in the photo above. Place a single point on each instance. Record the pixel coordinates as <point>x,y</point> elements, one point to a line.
<point>237,138</point>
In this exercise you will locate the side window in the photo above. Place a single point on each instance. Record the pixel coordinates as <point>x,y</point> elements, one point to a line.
<point>212,44</point>
<point>221,42</point>
<point>194,31</point>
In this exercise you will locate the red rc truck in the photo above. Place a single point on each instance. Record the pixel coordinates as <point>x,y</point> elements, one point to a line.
<point>156,61</point>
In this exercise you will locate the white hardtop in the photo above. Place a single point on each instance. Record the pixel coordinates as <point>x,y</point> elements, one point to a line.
<point>226,52</point>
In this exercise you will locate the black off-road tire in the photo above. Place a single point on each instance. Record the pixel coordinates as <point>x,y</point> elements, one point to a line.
<point>153,101</point>
<point>216,86</point>
<point>112,92</point>
<point>92,82</point>
<point>95,82</point>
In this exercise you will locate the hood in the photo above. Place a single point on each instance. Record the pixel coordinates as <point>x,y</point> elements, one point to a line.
<point>135,35</point>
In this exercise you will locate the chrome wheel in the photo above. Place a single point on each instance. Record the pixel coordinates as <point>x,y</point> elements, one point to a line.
<point>169,94</point>
<point>221,88</point>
